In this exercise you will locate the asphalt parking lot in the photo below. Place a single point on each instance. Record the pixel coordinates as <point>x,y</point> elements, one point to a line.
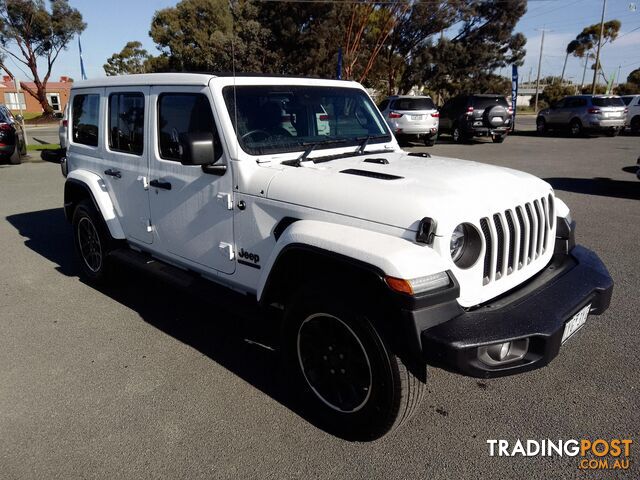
<point>142,381</point>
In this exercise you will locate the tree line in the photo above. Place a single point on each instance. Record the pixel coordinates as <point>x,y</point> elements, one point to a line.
<point>445,45</point>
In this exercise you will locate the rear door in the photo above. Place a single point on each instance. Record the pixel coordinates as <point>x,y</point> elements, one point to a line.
<point>556,112</point>
<point>126,159</point>
<point>191,210</point>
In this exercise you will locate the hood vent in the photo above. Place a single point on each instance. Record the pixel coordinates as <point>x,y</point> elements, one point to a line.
<point>379,161</point>
<point>367,173</point>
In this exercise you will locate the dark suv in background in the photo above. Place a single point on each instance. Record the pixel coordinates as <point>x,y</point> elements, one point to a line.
<point>12,142</point>
<point>468,116</point>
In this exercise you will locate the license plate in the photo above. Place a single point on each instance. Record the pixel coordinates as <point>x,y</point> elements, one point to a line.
<point>416,117</point>
<point>612,114</point>
<point>576,323</point>
<point>496,119</point>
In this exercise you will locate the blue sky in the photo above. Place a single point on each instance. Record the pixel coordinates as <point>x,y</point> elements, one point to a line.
<point>111,24</point>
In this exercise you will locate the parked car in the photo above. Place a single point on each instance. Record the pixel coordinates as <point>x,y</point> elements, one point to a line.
<point>468,116</point>
<point>633,115</point>
<point>62,129</point>
<point>411,116</point>
<point>376,261</point>
<point>12,142</point>
<point>584,114</point>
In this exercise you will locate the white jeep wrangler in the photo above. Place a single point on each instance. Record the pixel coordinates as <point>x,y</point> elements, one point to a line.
<point>380,261</point>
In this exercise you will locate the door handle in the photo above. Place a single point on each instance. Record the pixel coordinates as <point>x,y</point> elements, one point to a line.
<point>113,173</point>
<point>160,184</point>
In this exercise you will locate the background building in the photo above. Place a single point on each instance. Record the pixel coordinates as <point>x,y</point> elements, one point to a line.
<point>57,95</point>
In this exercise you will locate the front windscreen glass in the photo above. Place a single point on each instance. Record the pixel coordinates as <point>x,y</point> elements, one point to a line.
<point>278,119</point>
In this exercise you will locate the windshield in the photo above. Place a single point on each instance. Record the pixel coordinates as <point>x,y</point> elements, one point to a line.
<point>607,102</point>
<point>413,104</point>
<point>278,118</point>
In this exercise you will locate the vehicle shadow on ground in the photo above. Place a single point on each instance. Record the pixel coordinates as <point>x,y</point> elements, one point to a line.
<point>209,325</point>
<point>605,187</point>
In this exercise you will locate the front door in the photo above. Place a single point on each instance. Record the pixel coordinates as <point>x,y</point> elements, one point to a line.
<point>127,159</point>
<point>191,210</point>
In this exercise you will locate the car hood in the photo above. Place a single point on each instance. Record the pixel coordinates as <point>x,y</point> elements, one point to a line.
<point>406,189</point>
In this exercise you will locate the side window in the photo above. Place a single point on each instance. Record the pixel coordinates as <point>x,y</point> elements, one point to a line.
<point>84,116</point>
<point>181,113</point>
<point>383,105</point>
<point>126,122</point>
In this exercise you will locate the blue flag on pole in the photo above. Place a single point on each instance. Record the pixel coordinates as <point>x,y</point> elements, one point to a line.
<point>82,72</point>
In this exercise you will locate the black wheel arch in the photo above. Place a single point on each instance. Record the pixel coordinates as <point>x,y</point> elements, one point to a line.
<point>299,264</point>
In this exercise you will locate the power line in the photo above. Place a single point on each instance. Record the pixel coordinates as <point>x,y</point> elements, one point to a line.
<point>540,14</point>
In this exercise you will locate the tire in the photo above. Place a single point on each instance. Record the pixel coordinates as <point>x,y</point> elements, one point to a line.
<point>456,135</point>
<point>575,128</point>
<point>498,138</point>
<point>541,126</point>
<point>92,242</point>
<point>15,158</point>
<point>635,125</point>
<point>430,141</point>
<point>326,338</point>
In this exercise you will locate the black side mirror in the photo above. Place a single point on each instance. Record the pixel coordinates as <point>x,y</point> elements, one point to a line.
<point>200,148</point>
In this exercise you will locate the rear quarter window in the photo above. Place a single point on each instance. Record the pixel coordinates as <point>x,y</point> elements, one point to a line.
<point>84,116</point>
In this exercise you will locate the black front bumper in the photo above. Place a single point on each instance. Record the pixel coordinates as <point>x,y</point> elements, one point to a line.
<point>537,311</point>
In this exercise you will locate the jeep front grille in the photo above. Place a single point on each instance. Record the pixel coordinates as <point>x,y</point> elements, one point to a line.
<point>515,238</point>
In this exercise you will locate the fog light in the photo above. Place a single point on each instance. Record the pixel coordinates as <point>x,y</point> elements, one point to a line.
<point>499,351</point>
<point>504,352</point>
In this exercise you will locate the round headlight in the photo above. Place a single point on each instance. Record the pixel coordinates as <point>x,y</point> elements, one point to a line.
<point>458,240</point>
<point>465,245</point>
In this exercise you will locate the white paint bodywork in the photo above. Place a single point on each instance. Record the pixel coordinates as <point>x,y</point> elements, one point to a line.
<point>369,219</point>
<point>395,256</point>
<point>101,196</point>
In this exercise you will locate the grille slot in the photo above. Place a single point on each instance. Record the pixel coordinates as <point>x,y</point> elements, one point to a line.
<point>515,238</point>
<point>500,237</point>
<point>484,225</point>
<point>532,233</point>
<point>523,238</point>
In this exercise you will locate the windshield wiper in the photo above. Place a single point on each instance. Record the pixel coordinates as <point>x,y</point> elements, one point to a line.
<point>311,146</point>
<point>365,140</point>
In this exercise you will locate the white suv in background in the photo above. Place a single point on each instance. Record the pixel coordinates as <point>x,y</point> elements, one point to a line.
<point>633,116</point>
<point>411,116</point>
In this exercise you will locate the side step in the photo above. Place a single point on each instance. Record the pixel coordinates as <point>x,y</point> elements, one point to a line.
<point>240,304</point>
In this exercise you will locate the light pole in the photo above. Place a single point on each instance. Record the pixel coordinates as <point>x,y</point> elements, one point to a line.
<point>597,66</point>
<point>539,66</point>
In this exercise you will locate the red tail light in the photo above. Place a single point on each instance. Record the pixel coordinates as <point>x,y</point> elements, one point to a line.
<point>5,127</point>
<point>323,118</point>
<point>469,110</point>
<point>594,110</point>
<point>626,110</point>
<point>435,114</point>
<point>65,123</point>
<point>395,115</point>
<point>510,110</point>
